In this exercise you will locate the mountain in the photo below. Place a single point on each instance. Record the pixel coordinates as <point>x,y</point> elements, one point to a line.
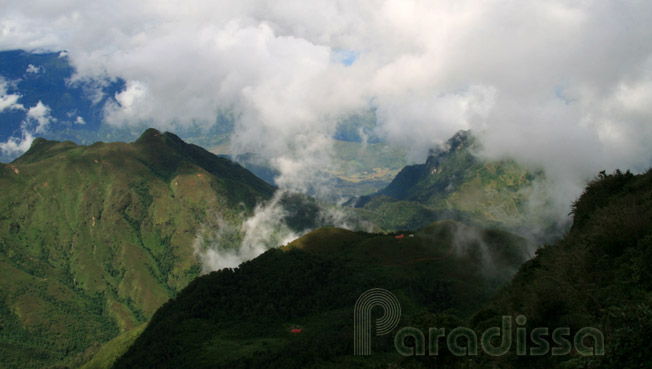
<point>599,275</point>
<point>94,239</point>
<point>242,317</point>
<point>453,183</point>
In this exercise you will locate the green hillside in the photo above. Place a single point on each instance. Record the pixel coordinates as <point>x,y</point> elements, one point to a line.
<point>241,318</point>
<point>93,239</point>
<point>112,350</point>
<point>599,275</point>
<point>453,183</point>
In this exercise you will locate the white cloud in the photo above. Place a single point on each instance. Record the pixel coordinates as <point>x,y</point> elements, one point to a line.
<point>8,101</point>
<point>265,229</point>
<point>33,69</point>
<point>560,84</point>
<point>80,120</point>
<point>36,122</point>
<point>40,113</point>
<point>133,104</point>
<point>17,145</point>
<point>419,122</point>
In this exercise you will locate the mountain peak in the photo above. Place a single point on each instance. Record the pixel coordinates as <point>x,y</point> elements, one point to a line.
<point>153,135</point>
<point>38,141</point>
<point>461,139</point>
<point>148,135</point>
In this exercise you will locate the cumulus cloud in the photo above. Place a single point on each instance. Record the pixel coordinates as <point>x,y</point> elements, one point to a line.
<point>36,122</point>
<point>34,69</point>
<point>40,114</point>
<point>17,145</point>
<point>8,101</point>
<point>563,85</point>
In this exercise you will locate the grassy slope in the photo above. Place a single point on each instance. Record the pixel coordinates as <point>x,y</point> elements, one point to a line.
<point>93,239</point>
<point>241,318</point>
<point>112,350</point>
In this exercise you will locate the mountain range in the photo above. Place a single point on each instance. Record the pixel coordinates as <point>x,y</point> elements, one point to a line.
<point>99,259</point>
<point>293,307</point>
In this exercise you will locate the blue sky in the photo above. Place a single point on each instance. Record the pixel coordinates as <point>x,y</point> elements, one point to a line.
<point>346,57</point>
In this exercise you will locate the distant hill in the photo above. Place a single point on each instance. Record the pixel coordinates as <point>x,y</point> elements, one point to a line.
<point>241,318</point>
<point>93,239</point>
<point>453,183</point>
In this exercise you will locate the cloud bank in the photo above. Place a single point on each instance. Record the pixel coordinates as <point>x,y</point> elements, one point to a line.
<point>564,85</point>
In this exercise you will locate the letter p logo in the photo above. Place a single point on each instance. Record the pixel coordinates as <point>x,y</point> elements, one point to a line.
<point>362,318</point>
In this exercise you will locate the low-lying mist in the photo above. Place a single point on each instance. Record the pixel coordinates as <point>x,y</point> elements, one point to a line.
<point>286,216</point>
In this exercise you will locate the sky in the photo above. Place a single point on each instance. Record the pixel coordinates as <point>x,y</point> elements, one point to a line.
<point>562,85</point>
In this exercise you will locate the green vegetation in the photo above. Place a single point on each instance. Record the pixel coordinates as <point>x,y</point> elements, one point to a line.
<point>112,350</point>
<point>93,239</point>
<point>241,318</point>
<point>598,275</point>
<point>453,183</point>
